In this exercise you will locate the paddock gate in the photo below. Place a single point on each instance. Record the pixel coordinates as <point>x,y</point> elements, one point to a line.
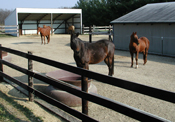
<point>100,100</point>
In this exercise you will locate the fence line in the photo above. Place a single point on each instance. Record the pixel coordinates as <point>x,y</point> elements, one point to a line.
<point>97,29</point>
<point>49,99</point>
<point>106,102</point>
<point>92,31</point>
<point>9,29</point>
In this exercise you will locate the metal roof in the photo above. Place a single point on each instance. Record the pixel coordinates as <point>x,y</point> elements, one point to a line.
<point>150,13</point>
<point>38,14</point>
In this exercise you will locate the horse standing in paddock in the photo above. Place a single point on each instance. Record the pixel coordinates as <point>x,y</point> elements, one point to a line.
<point>71,29</point>
<point>44,32</point>
<point>138,45</point>
<point>93,53</point>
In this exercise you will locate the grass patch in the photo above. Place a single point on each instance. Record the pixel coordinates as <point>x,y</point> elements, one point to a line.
<point>6,116</point>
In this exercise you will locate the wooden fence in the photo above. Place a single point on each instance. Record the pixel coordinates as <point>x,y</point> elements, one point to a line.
<point>11,29</point>
<point>100,100</point>
<point>97,29</point>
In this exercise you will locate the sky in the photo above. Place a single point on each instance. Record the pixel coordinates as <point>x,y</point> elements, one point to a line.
<point>12,4</point>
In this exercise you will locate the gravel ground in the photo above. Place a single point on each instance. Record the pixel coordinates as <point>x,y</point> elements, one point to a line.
<point>158,72</point>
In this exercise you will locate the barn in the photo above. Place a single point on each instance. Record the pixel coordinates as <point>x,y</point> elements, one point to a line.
<point>28,19</point>
<point>154,21</point>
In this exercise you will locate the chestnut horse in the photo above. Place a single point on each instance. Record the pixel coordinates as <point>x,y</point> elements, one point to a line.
<point>44,32</point>
<point>71,29</point>
<point>92,53</point>
<point>138,45</point>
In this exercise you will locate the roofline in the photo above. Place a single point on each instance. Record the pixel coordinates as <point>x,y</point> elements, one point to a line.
<point>140,22</point>
<point>124,21</point>
<point>48,10</point>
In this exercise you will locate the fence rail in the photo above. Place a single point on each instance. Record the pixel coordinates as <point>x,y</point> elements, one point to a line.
<point>96,29</point>
<point>100,100</point>
<point>9,29</point>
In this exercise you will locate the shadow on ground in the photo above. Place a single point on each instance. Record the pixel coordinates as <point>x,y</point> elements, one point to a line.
<point>25,42</point>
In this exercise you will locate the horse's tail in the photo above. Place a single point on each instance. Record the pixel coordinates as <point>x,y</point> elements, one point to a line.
<point>147,44</point>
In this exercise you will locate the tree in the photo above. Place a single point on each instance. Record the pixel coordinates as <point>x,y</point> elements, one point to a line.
<point>102,12</point>
<point>3,15</point>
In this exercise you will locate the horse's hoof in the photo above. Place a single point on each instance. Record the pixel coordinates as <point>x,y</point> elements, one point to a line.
<point>137,66</point>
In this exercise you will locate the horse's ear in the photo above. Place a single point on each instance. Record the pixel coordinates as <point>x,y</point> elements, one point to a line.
<point>77,34</point>
<point>135,32</point>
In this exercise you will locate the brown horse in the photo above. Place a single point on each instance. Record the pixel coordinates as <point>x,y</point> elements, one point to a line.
<point>138,45</point>
<point>44,32</point>
<point>92,53</point>
<point>71,29</point>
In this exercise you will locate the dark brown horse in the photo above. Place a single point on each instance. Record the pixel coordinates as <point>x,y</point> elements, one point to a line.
<point>138,45</point>
<point>92,53</point>
<point>44,32</point>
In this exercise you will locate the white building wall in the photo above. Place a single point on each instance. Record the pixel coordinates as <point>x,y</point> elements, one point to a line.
<point>12,20</point>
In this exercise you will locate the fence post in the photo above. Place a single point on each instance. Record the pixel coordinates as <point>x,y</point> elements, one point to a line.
<point>1,65</point>
<point>83,29</point>
<point>90,34</point>
<point>93,28</point>
<point>84,87</point>
<point>30,78</point>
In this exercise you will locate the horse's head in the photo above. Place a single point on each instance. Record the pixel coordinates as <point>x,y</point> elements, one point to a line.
<point>134,38</point>
<point>75,43</point>
<point>71,29</point>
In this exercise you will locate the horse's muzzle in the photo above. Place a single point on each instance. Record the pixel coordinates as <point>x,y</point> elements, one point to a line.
<point>76,52</point>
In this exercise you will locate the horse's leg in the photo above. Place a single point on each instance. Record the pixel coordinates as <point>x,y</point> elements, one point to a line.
<point>109,62</point>
<point>41,39</point>
<point>131,59</point>
<point>146,53</point>
<point>48,39</point>
<point>113,65</point>
<point>86,66</point>
<point>44,40</point>
<point>137,55</point>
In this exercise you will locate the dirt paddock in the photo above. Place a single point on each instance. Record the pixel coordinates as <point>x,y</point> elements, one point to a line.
<point>159,72</point>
